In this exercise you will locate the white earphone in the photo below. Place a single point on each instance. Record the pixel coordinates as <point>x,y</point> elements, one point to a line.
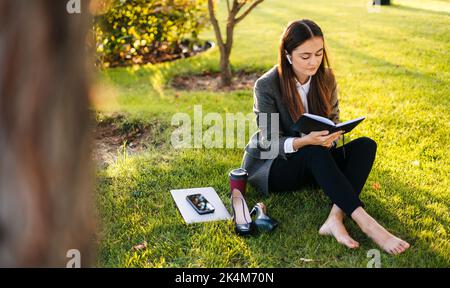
<point>288,57</point>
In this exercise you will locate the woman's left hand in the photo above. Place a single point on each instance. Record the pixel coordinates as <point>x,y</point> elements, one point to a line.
<point>329,142</point>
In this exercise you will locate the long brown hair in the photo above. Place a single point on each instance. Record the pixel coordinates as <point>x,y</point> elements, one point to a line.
<point>322,83</point>
<point>46,207</point>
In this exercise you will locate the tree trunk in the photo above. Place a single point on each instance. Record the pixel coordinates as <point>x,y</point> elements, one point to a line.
<point>225,47</point>
<point>45,175</point>
<point>225,69</point>
<point>225,65</point>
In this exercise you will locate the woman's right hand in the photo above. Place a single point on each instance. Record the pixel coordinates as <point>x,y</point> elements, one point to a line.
<point>322,138</point>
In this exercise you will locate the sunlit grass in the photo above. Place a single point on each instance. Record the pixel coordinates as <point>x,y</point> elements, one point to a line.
<point>391,67</point>
<point>440,6</point>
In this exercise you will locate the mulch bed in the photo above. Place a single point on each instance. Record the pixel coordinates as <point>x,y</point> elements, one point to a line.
<point>109,138</point>
<point>211,81</point>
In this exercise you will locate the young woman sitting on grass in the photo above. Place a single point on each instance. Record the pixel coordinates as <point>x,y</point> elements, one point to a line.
<point>303,82</point>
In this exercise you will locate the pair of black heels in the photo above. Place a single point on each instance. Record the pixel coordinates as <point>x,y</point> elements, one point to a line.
<point>243,223</point>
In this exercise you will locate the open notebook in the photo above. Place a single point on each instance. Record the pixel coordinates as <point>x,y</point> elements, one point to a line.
<point>310,122</point>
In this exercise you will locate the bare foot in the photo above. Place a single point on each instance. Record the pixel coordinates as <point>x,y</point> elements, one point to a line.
<point>334,227</point>
<point>384,239</point>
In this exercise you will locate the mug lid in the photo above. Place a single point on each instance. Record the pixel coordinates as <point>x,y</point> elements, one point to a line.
<point>239,172</point>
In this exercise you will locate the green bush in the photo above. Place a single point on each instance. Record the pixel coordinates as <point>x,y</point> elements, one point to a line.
<point>140,31</point>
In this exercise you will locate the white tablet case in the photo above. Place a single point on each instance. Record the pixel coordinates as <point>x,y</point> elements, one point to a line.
<point>188,212</point>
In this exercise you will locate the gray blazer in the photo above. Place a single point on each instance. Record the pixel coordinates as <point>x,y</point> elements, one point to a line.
<point>267,99</point>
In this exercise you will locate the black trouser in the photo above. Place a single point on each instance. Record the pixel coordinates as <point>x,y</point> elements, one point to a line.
<point>342,179</point>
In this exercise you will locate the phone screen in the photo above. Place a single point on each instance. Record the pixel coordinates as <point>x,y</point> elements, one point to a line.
<point>199,202</point>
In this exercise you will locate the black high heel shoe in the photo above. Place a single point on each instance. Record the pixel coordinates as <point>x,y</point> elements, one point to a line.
<point>243,224</point>
<point>263,221</point>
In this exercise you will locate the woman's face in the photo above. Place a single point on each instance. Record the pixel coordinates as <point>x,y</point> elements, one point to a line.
<point>306,58</point>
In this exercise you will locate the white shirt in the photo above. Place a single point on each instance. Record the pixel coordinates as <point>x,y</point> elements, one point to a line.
<point>303,91</point>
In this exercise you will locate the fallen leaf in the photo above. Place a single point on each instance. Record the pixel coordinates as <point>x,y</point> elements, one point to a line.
<point>376,186</point>
<point>141,246</point>
<point>306,260</point>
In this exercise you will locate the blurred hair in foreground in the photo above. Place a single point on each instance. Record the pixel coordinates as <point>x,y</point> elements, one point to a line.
<point>45,171</point>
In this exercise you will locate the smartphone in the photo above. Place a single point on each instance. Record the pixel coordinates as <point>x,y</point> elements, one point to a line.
<point>200,204</point>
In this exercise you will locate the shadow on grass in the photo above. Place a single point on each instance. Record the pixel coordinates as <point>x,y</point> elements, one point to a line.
<point>409,218</point>
<point>310,214</point>
<point>282,20</point>
<point>162,72</point>
<point>396,70</point>
<point>152,216</point>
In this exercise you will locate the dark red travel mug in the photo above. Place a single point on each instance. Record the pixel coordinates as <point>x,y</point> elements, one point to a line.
<point>238,179</point>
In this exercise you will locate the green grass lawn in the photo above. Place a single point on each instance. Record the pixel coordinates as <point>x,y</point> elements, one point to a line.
<point>392,67</point>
